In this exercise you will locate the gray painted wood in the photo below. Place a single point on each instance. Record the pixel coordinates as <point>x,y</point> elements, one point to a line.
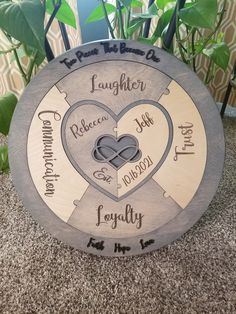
<point>165,213</point>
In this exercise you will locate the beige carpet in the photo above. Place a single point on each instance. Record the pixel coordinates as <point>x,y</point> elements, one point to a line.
<point>196,274</point>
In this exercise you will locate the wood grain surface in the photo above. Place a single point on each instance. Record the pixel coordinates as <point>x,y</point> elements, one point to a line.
<point>121,148</point>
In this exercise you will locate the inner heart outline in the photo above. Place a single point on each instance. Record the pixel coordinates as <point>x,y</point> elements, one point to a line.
<point>116,118</point>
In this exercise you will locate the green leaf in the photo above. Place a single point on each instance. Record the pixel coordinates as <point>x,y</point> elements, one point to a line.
<point>7,107</point>
<point>98,13</point>
<point>163,21</point>
<point>161,4</point>
<point>20,53</point>
<point>200,44</point>
<point>151,12</point>
<point>65,14</point>
<point>137,4</point>
<point>202,13</point>
<point>220,37</point>
<point>153,9</point>
<point>29,51</point>
<point>4,164</point>
<point>219,54</point>
<point>24,20</point>
<point>39,58</point>
<point>135,24</point>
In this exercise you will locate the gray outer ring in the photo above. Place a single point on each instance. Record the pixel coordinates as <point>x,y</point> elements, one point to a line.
<point>24,112</point>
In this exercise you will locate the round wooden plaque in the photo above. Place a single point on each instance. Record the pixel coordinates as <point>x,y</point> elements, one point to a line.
<point>116,147</point>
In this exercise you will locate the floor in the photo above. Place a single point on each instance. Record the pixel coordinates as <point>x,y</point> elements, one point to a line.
<point>195,274</point>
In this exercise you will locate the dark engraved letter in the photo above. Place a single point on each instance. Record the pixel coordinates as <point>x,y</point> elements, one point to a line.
<point>118,248</point>
<point>74,129</point>
<point>145,244</point>
<point>97,245</point>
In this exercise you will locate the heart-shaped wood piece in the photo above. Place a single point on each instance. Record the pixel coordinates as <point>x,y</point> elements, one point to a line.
<point>117,153</point>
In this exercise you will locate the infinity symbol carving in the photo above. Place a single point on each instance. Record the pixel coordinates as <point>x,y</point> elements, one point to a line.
<point>116,151</point>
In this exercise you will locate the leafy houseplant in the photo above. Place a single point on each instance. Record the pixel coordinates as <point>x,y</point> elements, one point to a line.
<point>7,106</point>
<point>23,25</point>
<point>197,24</point>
